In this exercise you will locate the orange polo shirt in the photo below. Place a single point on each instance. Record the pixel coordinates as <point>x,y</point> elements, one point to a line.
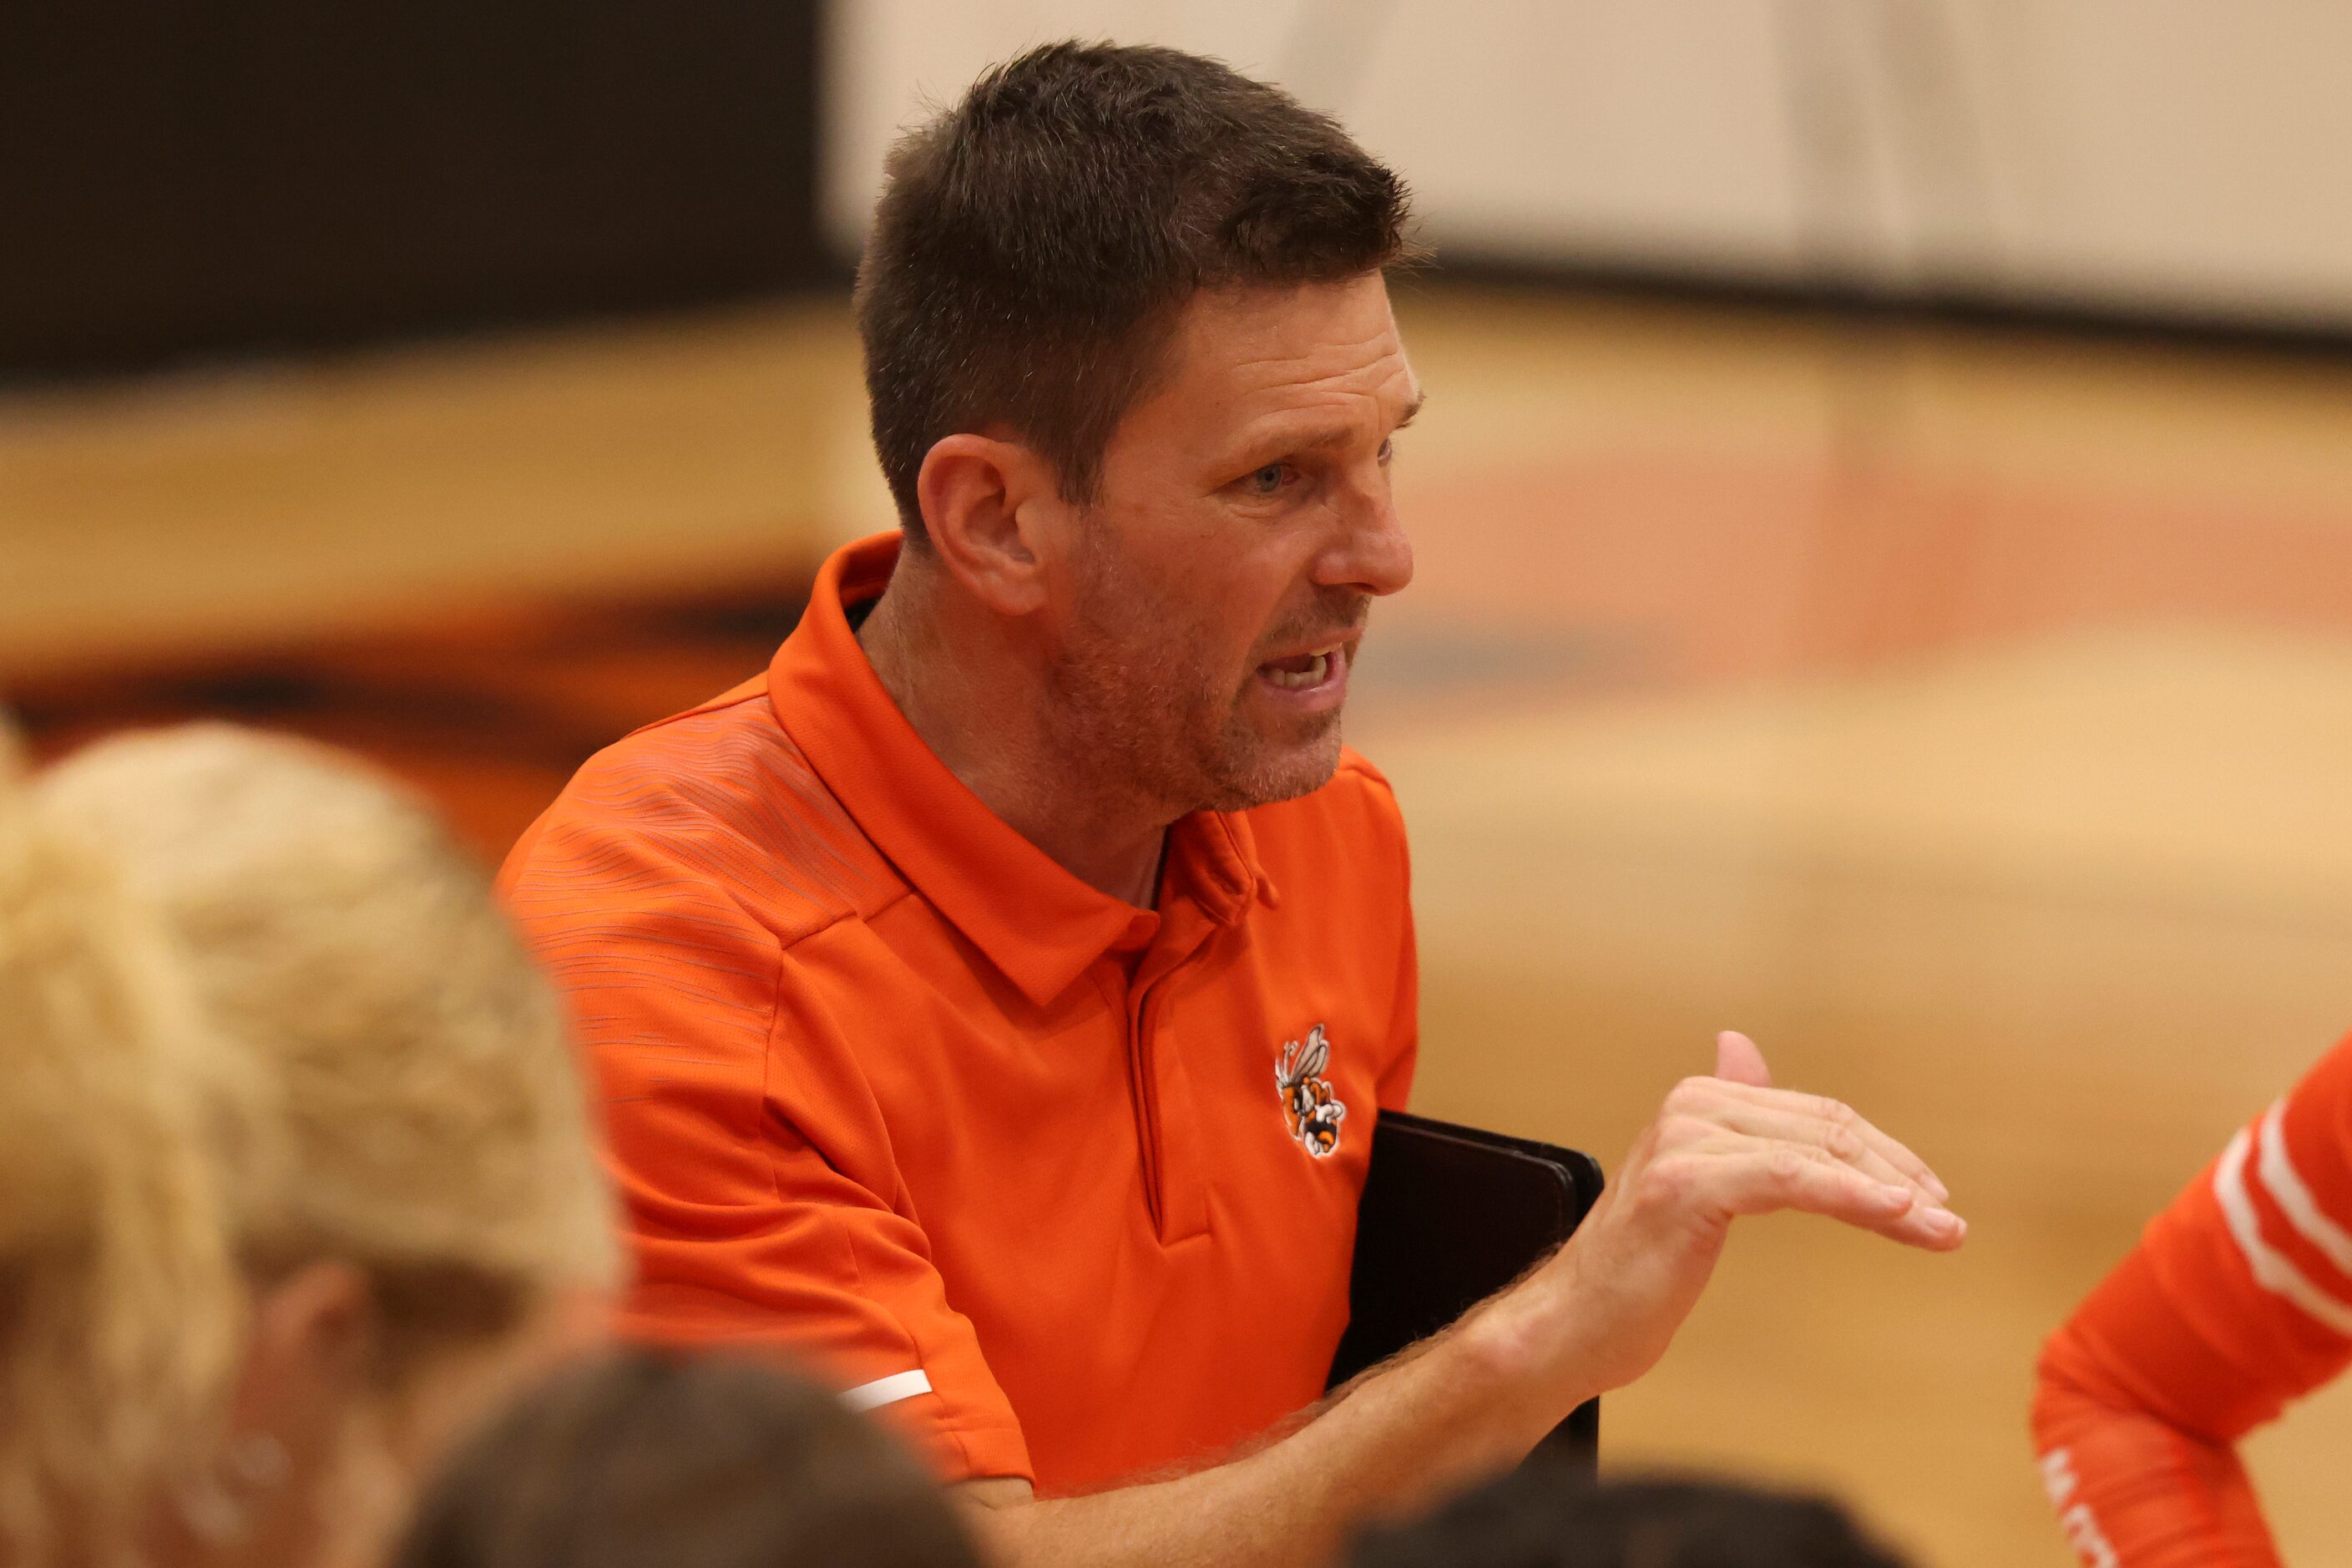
<point>1067,1185</point>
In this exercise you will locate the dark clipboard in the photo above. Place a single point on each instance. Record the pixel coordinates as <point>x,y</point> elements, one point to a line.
<point>1449,1215</point>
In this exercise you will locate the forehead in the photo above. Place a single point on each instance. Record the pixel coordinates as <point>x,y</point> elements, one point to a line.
<point>1243,356</point>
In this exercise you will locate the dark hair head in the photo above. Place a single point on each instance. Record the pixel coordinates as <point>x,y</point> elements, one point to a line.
<point>1034,243</point>
<point>1542,1516</point>
<point>646,1459</point>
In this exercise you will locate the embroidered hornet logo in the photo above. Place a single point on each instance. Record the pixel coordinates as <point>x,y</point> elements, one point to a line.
<point>1315,1112</point>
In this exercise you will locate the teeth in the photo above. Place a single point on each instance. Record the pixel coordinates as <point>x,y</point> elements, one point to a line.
<point>1301,680</point>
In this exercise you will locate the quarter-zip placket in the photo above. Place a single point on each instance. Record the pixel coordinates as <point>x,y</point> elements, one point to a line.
<point>1160,1081</point>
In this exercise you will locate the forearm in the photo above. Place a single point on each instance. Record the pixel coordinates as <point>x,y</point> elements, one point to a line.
<point>2132,1491</point>
<point>1467,1404</point>
<point>1594,1317</point>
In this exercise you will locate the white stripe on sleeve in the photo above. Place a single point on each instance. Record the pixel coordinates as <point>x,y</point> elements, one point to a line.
<point>887,1390</point>
<point>2294,1199</point>
<point>2273,1270</point>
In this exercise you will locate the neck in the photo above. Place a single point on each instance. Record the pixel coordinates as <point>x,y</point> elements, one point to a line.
<point>974,690</point>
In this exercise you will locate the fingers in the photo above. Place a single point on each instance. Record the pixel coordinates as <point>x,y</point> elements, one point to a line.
<point>1736,1060</point>
<point>1826,1124</point>
<point>1764,1177</point>
<point>1732,1145</point>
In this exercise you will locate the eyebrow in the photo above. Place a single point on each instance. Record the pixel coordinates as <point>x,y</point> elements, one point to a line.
<point>1339,436</point>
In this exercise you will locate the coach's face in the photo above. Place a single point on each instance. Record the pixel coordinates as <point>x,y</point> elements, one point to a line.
<point>1213,598</point>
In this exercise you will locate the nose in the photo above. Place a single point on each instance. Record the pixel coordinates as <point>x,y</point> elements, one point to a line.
<point>1371,551</point>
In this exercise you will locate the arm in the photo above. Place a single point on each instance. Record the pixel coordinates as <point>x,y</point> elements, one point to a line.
<point>2238,1299</point>
<point>760,1204</point>
<point>1594,1317</point>
<point>2134,1481</point>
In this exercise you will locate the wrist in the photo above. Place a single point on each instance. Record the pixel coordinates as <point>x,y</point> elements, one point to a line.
<point>1529,1341</point>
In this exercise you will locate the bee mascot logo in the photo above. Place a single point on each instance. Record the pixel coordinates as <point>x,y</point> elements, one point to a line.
<point>1315,1112</point>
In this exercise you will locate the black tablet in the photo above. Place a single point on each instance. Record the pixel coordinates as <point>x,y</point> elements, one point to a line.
<point>1449,1216</point>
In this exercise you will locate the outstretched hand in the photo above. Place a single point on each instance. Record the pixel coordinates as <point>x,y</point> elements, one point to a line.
<point>1592,1318</point>
<point>1723,1147</point>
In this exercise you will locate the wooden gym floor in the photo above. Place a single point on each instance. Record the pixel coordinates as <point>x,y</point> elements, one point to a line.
<point>1962,715</point>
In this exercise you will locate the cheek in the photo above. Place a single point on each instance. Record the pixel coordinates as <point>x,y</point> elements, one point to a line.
<point>1215,602</point>
<point>1242,612</point>
<point>1201,589</point>
<point>1244,585</point>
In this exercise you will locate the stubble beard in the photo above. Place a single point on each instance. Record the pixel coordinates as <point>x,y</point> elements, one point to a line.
<point>1139,710</point>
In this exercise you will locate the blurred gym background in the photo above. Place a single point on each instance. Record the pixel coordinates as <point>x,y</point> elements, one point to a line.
<point>1885,521</point>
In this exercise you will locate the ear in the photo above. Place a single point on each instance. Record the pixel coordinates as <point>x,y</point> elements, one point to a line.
<point>990,507</point>
<point>308,1355</point>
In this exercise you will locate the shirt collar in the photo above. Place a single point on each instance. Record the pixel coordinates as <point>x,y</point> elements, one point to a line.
<point>1035,921</point>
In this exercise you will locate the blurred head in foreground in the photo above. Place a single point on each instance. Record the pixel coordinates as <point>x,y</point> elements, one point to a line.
<point>294,1173</point>
<point>1542,1517</point>
<point>648,1460</point>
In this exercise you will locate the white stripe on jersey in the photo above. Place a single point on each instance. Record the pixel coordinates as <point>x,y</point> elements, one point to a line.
<point>2272,1269</point>
<point>2286,1183</point>
<point>2081,1525</point>
<point>887,1390</point>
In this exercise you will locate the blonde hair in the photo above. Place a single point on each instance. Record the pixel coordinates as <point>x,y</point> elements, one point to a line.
<point>426,1121</point>
<point>121,1301</point>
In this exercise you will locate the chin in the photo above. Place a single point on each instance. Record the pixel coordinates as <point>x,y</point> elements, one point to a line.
<point>1277,773</point>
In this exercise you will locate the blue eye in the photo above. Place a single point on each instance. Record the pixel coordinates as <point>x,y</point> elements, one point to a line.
<point>1267,480</point>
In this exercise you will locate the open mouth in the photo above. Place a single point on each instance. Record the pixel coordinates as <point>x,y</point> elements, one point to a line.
<point>1300,671</point>
<point>1322,670</point>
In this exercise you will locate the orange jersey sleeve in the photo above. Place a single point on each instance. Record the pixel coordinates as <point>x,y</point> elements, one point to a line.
<point>763,1205</point>
<point>2237,1300</point>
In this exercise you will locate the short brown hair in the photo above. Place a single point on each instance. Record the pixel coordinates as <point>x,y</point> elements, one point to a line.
<point>648,1456</point>
<point>1034,243</point>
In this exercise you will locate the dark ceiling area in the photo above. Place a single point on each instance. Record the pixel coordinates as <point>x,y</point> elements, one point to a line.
<point>246,177</point>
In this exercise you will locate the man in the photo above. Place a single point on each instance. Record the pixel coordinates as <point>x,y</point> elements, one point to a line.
<point>995,1001</point>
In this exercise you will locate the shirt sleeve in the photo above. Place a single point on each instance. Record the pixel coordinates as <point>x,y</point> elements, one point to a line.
<point>2237,1300</point>
<point>763,1205</point>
